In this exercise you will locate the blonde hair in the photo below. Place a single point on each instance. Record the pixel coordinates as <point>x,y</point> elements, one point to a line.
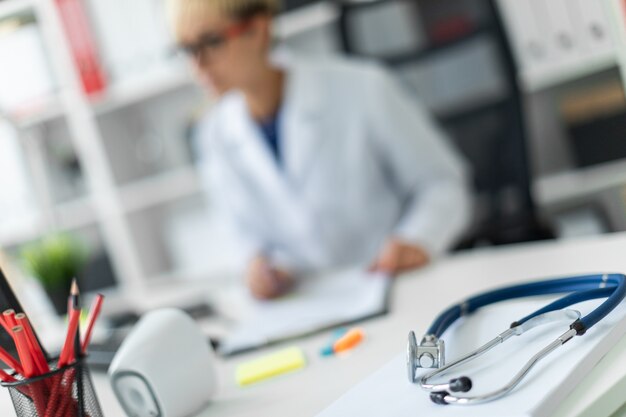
<point>181,11</point>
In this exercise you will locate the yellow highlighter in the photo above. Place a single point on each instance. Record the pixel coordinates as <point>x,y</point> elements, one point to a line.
<point>283,361</point>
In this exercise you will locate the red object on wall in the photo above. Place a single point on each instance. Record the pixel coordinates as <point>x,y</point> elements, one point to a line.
<point>82,45</point>
<point>450,29</point>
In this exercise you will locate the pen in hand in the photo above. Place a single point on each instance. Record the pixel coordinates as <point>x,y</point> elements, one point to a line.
<point>266,281</point>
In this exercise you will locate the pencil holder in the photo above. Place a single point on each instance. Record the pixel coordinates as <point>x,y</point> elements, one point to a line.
<point>64,392</point>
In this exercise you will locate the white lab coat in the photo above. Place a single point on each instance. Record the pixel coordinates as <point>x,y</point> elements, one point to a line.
<point>362,161</point>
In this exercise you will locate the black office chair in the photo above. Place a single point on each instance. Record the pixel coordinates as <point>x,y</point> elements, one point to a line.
<point>491,135</point>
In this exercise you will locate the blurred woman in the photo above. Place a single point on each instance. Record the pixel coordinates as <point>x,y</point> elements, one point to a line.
<point>319,162</point>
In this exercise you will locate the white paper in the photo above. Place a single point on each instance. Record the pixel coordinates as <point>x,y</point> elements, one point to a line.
<point>318,302</point>
<point>389,393</point>
<point>25,79</point>
<point>133,37</point>
<point>18,208</point>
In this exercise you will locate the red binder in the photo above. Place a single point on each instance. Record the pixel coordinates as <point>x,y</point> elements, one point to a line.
<point>82,45</point>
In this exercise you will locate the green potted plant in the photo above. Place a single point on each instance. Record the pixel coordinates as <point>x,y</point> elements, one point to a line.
<point>54,261</point>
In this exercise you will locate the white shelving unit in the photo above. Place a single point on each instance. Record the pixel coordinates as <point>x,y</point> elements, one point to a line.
<point>104,206</point>
<point>543,78</point>
<point>581,183</point>
<point>617,10</point>
<point>122,95</point>
<point>556,42</point>
<point>51,110</point>
<point>561,46</point>
<point>160,189</point>
<point>130,160</point>
<point>13,7</point>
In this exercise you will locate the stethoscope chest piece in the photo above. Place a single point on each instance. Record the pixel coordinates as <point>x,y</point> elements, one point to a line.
<point>429,354</point>
<point>411,356</point>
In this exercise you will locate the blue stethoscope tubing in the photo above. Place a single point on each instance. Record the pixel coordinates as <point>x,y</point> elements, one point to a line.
<point>578,289</point>
<point>614,284</point>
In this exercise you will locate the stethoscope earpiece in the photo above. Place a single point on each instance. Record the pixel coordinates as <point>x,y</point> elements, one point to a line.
<point>461,384</point>
<point>439,397</point>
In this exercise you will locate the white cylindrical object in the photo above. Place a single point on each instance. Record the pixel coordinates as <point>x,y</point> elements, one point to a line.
<point>165,367</point>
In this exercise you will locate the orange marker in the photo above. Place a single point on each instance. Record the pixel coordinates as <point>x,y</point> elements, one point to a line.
<point>349,340</point>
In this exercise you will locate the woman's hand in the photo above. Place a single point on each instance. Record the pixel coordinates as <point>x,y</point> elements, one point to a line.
<point>398,256</point>
<point>265,281</point>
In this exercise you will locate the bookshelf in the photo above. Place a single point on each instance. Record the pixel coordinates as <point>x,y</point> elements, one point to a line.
<point>116,168</point>
<point>593,56</point>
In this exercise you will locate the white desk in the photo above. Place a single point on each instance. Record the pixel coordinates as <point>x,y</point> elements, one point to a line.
<point>415,300</point>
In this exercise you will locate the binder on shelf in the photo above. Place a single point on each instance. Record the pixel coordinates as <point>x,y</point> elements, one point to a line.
<point>26,82</point>
<point>82,45</point>
<point>18,207</point>
<point>595,34</point>
<point>526,32</point>
<point>563,41</point>
<point>133,37</point>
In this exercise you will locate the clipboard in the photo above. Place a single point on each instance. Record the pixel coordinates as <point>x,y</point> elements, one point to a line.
<point>318,303</point>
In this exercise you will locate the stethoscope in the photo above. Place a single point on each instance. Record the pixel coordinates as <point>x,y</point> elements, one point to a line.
<point>430,351</point>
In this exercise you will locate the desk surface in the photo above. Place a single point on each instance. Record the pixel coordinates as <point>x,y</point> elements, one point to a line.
<point>415,300</point>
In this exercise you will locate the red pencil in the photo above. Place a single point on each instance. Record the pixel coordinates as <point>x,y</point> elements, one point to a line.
<point>61,396</point>
<point>4,324</point>
<point>11,361</point>
<point>94,312</point>
<point>9,318</point>
<point>21,342</point>
<point>66,352</point>
<point>56,404</point>
<point>33,344</point>
<point>75,302</point>
<point>6,377</point>
<point>23,352</point>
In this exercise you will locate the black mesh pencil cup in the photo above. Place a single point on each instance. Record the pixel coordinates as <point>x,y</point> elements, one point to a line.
<point>64,392</point>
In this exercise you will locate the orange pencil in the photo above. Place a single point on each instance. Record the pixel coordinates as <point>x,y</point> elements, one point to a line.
<point>94,312</point>
<point>33,344</point>
<point>349,340</point>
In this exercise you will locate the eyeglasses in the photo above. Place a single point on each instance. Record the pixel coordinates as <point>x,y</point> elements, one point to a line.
<point>211,42</point>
